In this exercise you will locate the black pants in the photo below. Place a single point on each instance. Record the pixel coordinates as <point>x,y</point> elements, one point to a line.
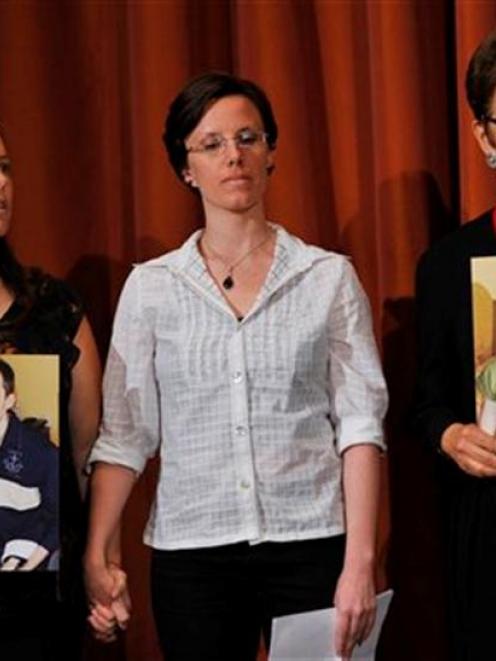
<point>212,604</point>
<point>471,552</point>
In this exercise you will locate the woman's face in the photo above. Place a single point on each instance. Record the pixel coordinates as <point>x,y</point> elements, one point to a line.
<point>6,189</point>
<point>234,177</point>
<point>485,130</point>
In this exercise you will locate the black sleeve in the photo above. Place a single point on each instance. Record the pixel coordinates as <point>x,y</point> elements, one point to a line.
<point>55,316</point>
<point>433,409</point>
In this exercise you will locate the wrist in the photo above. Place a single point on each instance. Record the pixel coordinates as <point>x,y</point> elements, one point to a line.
<point>362,562</point>
<point>94,559</point>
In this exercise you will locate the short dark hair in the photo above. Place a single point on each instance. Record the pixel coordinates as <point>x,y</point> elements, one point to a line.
<point>192,102</point>
<point>8,377</point>
<point>480,81</point>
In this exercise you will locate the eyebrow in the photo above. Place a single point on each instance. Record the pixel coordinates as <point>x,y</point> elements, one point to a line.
<point>242,128</point>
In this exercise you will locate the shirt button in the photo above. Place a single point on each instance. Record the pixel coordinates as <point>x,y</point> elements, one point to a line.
<point>237,377</point>
<point>240,430</point>
<point>244,484</point>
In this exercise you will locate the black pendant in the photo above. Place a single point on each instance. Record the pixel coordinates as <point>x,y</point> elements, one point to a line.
<point>228,282</point>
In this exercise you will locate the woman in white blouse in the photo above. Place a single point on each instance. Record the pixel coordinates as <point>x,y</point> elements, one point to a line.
<point>246,358</point>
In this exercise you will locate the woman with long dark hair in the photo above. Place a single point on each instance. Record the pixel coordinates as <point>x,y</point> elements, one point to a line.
<point>40,617</point>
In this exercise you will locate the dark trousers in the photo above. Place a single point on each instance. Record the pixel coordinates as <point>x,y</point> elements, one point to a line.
<point>470,537</point>
<point>212,604</point>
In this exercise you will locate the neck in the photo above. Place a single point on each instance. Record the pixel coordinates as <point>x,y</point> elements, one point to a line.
<point>232,233</point>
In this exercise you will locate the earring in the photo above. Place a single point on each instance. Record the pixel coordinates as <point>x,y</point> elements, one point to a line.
<point>189,181</point>
<point>491,160</point>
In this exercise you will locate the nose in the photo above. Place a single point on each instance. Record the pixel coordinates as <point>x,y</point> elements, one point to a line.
<point>233,152</point>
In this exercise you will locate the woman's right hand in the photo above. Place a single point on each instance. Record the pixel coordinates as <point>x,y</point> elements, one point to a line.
<point>471,449</point>
<point>109,599</point>
<point>106,583</point>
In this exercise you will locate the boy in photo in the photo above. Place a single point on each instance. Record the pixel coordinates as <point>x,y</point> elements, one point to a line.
<point>28,487</point>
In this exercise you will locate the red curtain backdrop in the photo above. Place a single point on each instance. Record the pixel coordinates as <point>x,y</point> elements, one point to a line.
<point>375,159</point>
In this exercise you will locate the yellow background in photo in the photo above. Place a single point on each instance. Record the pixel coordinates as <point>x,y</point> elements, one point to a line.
<point>484,308</point>
<point>37,388</point>
<point>484,315</point>
<point>484,322</point>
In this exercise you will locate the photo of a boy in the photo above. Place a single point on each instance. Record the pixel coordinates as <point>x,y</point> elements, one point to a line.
<point>29,533</point>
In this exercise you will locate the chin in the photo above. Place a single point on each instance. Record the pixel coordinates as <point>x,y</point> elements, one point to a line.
<point>240,208</point>
<point>241,203</point>
<point>236,202</point>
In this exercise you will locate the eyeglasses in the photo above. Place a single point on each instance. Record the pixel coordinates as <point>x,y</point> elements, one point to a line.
<point>216,144</point>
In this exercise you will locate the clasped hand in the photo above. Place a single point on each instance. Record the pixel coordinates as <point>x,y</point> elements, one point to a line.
<point>472,449</point>
<point>110,604</point>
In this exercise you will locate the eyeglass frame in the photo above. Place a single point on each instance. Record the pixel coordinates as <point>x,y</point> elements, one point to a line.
<point>488,118</point>
<point>262,137</point>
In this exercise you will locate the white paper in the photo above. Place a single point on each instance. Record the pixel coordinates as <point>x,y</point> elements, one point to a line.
<point>310,636</point>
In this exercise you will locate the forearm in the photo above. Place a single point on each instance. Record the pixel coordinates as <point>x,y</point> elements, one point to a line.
<point>111,486</point>
<point>84,403</point>
<point>82,443</point>
<point>114,552</point>
<point>361,478</point>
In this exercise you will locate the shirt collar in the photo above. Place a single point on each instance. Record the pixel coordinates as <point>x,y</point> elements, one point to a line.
<point>291,257</point>
<point>290,251</point>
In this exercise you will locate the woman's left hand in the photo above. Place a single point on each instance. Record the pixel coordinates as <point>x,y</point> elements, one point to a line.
<point>356,608</point>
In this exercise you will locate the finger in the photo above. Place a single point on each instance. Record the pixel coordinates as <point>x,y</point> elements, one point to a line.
<point>476,461</point>
<point>476,468</point>
<point>100,628</point>
<point>104,623</point>
<point>104,612</point>
<point>104,637</point>
<point>121,613</point>
<point>481,454</point>
<point>474,435</point>
<point>354,632</point>
<point>120,582</point>
<point>341,632</point>
<point>369,624</point>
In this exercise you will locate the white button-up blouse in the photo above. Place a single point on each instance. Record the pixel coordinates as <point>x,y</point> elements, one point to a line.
<point>251,417</point>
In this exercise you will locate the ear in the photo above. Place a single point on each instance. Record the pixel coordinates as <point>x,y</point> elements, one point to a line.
<point>10,401</point>
<point>188,178</point>
<point>482,138</point>
<point>270,161</point>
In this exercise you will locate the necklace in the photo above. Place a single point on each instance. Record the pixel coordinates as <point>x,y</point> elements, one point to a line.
<point>228,281</point>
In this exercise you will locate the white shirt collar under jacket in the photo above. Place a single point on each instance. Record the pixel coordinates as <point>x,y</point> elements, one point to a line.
<point>250,418</point>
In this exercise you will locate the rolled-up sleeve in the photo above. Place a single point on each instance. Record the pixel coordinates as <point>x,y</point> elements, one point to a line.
<point>358,393</point>
<point>129,433</point>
